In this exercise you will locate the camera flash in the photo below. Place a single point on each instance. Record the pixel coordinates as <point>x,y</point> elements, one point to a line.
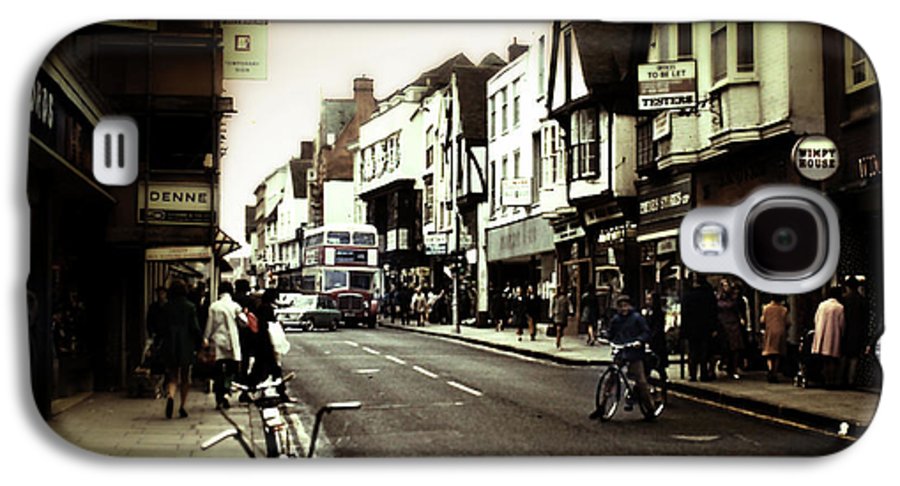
<point>710,239</point>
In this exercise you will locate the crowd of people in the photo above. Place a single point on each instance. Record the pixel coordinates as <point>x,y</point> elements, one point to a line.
<point>720,338</point>
<point>418,305</point>
<point>232,332</point>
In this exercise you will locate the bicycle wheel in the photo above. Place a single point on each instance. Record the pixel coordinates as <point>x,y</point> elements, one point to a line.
<point>609,392</point>
<point>273,442</point>
<point>659,392</point>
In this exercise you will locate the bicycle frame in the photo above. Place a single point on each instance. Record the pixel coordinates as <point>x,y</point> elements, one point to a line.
<point>268,403</point>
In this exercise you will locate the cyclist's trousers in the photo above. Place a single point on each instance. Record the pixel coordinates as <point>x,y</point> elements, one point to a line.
<point>641,387</point>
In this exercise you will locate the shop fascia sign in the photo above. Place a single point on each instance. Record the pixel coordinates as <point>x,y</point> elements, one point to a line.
<point>175,203</point>
<point>176,253</point>
<point>666,201</point>
<point>667,85</point>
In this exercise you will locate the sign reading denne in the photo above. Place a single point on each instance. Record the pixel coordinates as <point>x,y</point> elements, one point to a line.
<point>666,85</point>
<point>175,203</point>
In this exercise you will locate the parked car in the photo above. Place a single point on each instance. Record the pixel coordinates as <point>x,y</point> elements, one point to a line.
<point>308,312</point>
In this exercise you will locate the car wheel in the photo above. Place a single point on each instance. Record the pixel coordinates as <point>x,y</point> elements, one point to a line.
<point>334,326</point>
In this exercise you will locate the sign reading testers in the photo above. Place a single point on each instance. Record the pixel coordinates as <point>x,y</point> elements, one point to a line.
<point>667,85</point>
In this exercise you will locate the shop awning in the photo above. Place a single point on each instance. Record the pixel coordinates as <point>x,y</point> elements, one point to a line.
<point>224,244</point>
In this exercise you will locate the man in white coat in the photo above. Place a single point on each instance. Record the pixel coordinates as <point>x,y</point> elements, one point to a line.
<point>828,333</point>
<point>222,334</point>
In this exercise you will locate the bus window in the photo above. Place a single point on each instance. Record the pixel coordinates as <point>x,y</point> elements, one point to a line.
<point>338,237</point>
<point>367,239</point>
<point>308,282</point>
<point>314,240</point>
<point>335,279</point>
<point>361,280</point>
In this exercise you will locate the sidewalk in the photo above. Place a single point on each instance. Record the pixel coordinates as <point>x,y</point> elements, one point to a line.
<point>813,407</point>
<point>114,425</point>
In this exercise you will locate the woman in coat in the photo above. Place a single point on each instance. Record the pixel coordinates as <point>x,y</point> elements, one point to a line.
<point>731,311</point>
<point>180,333</point>
<point>561,309</point>
<point>774,320</point>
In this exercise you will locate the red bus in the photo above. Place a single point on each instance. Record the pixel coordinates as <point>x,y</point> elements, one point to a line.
<point>341,260</point>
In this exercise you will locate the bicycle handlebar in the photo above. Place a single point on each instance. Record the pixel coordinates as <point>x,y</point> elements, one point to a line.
<point>268,383</point>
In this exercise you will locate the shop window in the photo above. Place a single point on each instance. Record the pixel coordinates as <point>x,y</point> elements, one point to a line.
<point>504,107</point>
<point>585,144</point>
<point>428,203</point>
<point>685,41</point>
<point>492,120</point>
<point>858,69</point>
<point>550,157</point>
<point>733,50</point>
<point>516,102</point>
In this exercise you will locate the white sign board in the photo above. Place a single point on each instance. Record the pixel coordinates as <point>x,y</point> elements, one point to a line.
<point>667,85</point>
<point>515,192</point>
<point>175,203</point>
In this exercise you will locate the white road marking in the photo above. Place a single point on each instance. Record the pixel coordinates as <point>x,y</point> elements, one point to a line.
<point>464,388</point>
<point>425,372</point>
<point>351,343</point>
<point>367,371</point>
<point>395,359</point>
<point>370,350</point>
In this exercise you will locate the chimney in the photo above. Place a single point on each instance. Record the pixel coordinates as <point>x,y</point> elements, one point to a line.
<point>515,50</point>
<point>363,94</point>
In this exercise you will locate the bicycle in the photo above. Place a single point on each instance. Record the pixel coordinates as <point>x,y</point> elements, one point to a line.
<point>615,379</point>
<point>278,431</point>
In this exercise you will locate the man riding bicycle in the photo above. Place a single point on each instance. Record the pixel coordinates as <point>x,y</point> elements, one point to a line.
<point>629,329</point>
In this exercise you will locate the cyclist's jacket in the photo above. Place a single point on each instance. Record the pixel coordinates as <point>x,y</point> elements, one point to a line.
<point>627,329</point>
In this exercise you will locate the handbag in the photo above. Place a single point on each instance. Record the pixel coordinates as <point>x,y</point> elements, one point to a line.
<point>279,340</point>
<point>207,356</point>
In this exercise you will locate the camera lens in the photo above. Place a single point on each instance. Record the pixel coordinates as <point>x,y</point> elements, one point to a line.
<point>786,238</point>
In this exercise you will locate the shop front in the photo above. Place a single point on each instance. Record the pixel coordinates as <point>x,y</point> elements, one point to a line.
<point>522,253</point>
<point>661,206</point>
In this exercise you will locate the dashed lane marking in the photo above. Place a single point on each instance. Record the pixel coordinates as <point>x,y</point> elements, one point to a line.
<point>395,359</point>
<point>370,350</point>
<point>351,343</point>
<point>424,371</point>
<point>460,386</point>
<point>367,371</point>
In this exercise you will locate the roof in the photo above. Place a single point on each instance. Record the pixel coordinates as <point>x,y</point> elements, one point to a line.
<point>471,83</point>
<point>334,116</point>
<point>610,52</point>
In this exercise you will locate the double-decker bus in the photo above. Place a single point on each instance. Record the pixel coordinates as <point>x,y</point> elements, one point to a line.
<point>341,260</point>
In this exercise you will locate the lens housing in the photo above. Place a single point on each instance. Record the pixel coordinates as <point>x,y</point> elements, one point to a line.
<point>786,238</point>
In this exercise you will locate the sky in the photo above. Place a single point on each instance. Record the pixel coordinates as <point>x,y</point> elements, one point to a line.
<point>311,61</point>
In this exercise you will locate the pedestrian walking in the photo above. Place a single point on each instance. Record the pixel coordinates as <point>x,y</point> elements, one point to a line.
<point>498,309</point>
<point>180,334</point>
<point>731,323</point>
<point>419,305</point>
<point>222,334</point>
<point>247,333</point>
<point>774,323</point>
<point>855,337</point>
<point>828,333</point>
<point>656,320</point>
<point>155,312</point>
<point>561,309</point>
<point>267,362</point>
<point>590,312</point>
<point>519,312</point>
<point>532,311</point>
<point>698,326</point>
<point>404,298</point>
